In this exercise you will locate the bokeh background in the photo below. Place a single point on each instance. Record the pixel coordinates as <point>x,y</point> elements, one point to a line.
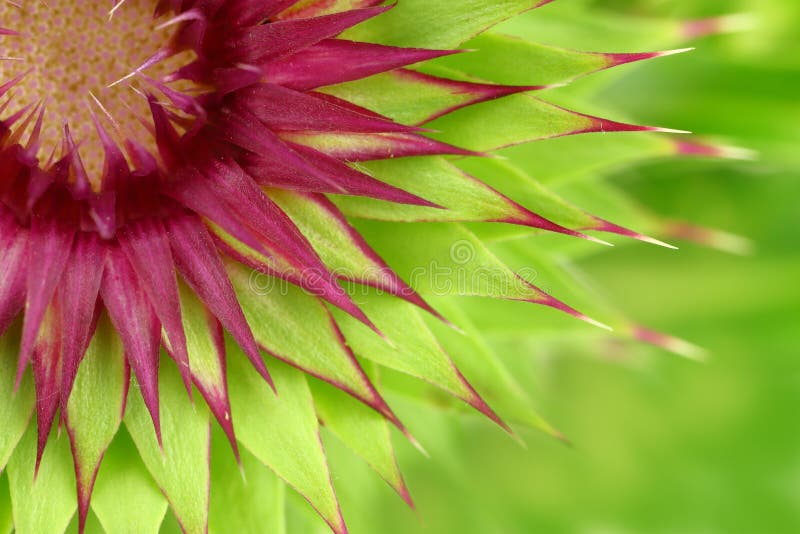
<point>660,444</point>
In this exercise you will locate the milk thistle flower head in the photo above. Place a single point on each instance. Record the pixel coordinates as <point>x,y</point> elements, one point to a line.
<point>180,182</point>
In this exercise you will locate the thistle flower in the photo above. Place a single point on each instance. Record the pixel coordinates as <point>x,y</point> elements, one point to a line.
<point>167,165</point>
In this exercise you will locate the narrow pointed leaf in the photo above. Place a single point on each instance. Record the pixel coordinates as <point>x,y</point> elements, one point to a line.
<point>95,407</point>
<point>341,248</point>
<point>307,70</point>
<point>415,352</point>
<point>124,479</point>
<point>198,261</point>
<point>146,244</point>
<point>6,516</point>
<point>489,375</point>
<point>450,260</point>
<point>181,468</point>
<point>47,375</point>
<point>357,147</point>
<point>464,198</point>
<point>138,327</point>
<point>454,23</point>
<point>15,409</point>
<point>206,344</point>
<point>519,119</point>
<point>365,432</point>
<point>255,502</point>
<point>296,327</point>
<point>412,97</point>
<point>46,504</point>
<point>294,452</point>
<point>588,155</point>
<point>48,253</point>
<point>508,60</point>
<point>78,295</point>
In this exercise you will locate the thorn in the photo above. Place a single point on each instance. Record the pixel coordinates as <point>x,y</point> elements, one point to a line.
<point>669,130</point>
<point>594,322</point>
<point>666,53</point>
<point>654,241</point>
<point>598,241</point>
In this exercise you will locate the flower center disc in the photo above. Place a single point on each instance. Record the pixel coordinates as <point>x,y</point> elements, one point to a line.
<point>72,52</point>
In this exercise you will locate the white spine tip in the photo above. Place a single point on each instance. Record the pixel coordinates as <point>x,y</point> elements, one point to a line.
<point>671,131</point>
<point>598,241</point>
<point>666,53</point>
<point>654,241</point>
<point>688,350</point>
<point>595,322</point>
<point>737,22</point>
<point>740,153</point>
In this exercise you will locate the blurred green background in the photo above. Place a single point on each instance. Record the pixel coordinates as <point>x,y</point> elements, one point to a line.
<point>660,444</point>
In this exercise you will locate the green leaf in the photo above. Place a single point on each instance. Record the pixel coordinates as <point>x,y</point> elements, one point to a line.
<point>250,500</point>
<point>414,350</point>
<point>206,349</point>
<point>447,259</point>
<point>434,179</point>
<point>181,469</point>
<point>489,375</point>
<point>6,517</point>
<point>399,95</point>
<point>554,161</point>
<point>412,97</point>
<point>123,479</point>
<point>436,23</point>
<point>337,244</point>
<point>468,199</point>
<point>282,431</point>
<point>95,405</point>
<point>509,121</point>
<point>15,408</point>
<point>572,25</point>
<point>44,505</point>
<point>514,61</point>
<point>296,327</point>
<point>361,429</point>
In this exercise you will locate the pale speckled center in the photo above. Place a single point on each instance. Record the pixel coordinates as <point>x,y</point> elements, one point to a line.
<point>74,49</point>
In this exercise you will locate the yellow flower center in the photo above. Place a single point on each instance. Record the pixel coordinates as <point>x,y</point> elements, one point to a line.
<point>80,58</point>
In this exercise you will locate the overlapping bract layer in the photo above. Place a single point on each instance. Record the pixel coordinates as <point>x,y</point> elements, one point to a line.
<point>246,161</point>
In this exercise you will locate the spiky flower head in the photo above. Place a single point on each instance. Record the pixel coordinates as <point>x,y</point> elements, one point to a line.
<point>179,181</point>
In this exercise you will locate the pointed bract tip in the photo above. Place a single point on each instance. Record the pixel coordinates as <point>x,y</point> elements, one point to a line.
<point>417,445</point>
<point>554,303</point>
<point>659,129</point>
<point>597,240</point>
<point>673,344</point>
<point>386,339</point>
<point>603,225</point>
<point>665,53</point>
<point>709,237</point>
<point>731,23</point>
<point>405,494</point>
<point>553,86</point>
<point>601,125</point>
<point>616,60</point>
<point>477,402</point>
<point>593,322</point>
<point>455,328</point>
<point>654,241</point>
<point>713,150</point>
